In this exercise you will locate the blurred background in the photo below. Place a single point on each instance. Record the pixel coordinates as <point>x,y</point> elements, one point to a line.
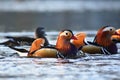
<point>26,15</point>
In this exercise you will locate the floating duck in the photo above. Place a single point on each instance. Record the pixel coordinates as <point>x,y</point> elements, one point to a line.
<point>63,48</point>
<point>23,40</point>
<point>102,43</point>
<point>116,36</point>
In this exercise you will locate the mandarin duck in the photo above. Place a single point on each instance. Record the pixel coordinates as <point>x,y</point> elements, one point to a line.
<point>63,48</point>
<point>23,40</point>
<point>102,42</point>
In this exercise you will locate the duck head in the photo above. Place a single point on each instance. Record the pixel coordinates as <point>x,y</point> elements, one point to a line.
<point>63,44</point>
<point>103,38</point>
<point>116,36</point>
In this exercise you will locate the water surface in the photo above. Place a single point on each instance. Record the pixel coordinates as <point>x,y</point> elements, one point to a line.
<point>99,67</point>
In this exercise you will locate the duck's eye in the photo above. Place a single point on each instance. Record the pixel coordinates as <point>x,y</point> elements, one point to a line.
<point>66,33</point>
<point>110,29</point>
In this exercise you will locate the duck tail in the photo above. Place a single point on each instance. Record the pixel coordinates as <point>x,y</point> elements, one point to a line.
<point>19,50</point>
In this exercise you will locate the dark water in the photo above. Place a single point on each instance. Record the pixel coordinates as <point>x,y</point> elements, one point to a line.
<point>99,67</point>
<point>19,15</point>
<point>88,20</point>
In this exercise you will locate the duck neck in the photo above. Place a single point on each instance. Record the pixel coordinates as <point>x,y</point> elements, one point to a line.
<point>63,45</point>
<point>104,40</point>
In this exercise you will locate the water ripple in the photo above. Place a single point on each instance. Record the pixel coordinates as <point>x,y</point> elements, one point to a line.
<point>91,67</point>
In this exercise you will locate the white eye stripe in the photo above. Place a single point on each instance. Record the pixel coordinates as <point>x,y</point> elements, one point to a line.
<point>108,29</point>
<point>64,33</point>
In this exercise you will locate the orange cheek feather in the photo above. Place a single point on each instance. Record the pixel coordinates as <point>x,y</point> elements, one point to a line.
<point>80,39</point>
<point>118,31</point>
<point>117,36</point>
<point>36,45</point>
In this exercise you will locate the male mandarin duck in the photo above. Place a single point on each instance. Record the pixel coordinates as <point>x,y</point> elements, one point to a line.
<point>102,43</point>
<point>116,36</point>
<point>23,40</point>
<point>63,47</point>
